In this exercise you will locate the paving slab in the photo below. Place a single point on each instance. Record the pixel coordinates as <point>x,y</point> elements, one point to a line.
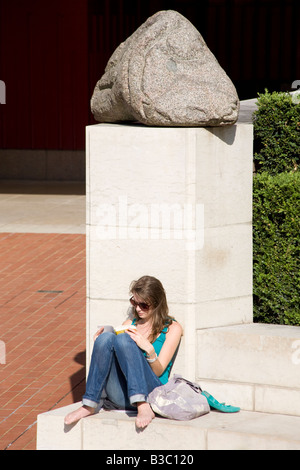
<point>35,207</point>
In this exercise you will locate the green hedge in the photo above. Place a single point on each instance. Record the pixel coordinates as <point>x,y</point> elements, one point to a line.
<point>276,133</point>
<point>276,209</point>
<point>276,253</point>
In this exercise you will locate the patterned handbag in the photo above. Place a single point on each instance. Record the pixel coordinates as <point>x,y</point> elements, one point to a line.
<point>179,399</point>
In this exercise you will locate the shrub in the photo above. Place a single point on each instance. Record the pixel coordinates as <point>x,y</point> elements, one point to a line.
<point>276,133</point>
<point>276,215</point>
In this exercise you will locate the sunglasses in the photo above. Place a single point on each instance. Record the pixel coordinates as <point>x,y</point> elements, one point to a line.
<point>141,305</point>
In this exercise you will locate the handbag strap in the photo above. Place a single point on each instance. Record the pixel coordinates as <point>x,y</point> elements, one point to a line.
<point>178,378</point>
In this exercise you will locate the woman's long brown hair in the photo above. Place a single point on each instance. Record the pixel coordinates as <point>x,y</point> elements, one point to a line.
<point>152,292</point>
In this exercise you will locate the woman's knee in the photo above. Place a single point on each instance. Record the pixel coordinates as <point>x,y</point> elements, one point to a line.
<point>122,341</point>
<point>104,340</point>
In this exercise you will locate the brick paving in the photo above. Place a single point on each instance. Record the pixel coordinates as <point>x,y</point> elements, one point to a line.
<point>42,324</point>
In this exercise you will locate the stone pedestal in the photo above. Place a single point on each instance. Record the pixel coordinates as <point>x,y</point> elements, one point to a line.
<point>174,203</point>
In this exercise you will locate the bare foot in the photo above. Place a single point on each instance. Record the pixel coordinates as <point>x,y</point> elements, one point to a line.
<point>145,415</point>
<point>76,415</point>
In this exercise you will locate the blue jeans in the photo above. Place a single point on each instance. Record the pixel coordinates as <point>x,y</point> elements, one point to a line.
<point>120,371</point>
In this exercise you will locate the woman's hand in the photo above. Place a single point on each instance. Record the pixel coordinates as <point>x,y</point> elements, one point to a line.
<point>98,333</point>
<point>140,340</point>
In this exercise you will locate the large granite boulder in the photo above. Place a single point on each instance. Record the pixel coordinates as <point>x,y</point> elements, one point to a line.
<point>165,75</point>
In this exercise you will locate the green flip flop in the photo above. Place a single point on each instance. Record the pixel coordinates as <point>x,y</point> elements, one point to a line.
<point>213,403</point>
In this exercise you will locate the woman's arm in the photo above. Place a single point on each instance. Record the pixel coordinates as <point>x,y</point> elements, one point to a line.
<point>170,345</point>
<point>98,333</point>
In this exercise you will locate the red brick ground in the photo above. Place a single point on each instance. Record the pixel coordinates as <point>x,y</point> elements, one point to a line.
<point>42,323</point>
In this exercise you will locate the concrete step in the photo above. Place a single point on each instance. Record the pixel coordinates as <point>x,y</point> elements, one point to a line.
<point>111,430</point>
<point>254,366</point>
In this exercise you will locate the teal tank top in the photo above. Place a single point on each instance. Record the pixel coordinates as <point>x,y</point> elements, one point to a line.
<point>158,344</point>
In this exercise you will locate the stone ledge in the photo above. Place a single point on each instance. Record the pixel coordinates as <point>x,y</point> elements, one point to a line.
<point>253,397</point>
<point>255,366</point>
<point>110,430</point>
<point>250,353</point>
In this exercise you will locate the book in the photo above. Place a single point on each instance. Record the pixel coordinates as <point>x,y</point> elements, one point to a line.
<point>118,329</point>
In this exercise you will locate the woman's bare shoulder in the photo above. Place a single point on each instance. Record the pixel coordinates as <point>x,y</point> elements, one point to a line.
<point>176,328</point>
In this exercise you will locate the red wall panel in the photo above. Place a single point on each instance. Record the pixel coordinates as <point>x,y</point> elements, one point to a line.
<point>44,63</point>
<point>53,53</point>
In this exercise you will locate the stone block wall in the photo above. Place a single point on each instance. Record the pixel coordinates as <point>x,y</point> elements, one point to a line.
<point>175,203</point>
